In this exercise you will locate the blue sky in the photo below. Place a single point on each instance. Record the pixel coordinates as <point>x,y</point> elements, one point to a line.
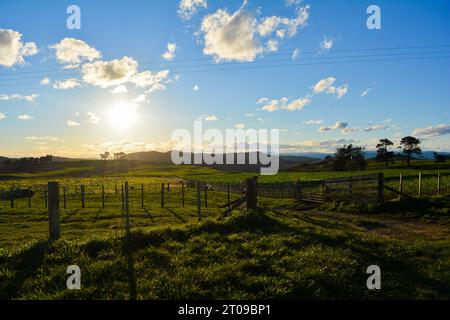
<point>74,112</point>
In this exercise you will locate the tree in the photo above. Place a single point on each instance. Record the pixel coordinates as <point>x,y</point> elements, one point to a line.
<point>410,146</point>
<point>383,153</point>
<point>119,155</point>
<point>104,156</point>
<point>348,158</point>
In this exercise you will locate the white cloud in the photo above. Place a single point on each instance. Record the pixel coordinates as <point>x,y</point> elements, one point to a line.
<point>187,8</point>
<point>313,122</point>
<point>119,89</point>
<point>24,117</point>
<point>283,104</point>
<point>109,73</point>
<point>44,138</point>
<point>13,50</point>
<point>151,80</point>
<point>283,26</point>
<point>206,117</point>
<point>74,51</point>
<point>196,88</point>
<point>239,126</point>
<point>326,44</point>
<point>45,81</point>
<point>18,97</point>
<point>92,118</point>
<point>326,85</point>
<point>366,92</point>
<point>170,52</point>
<point>337,126</point>
<point>433,131</point>
<point>375,127</point>
<point>2,116</point>
<point>237,36</point>
<point>295,54</point>
<point>316,145</point>
<point>66,84</point>
<point>141,98</point>
<point>72,123</point>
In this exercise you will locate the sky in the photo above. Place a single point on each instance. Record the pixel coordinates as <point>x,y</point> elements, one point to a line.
<point>136,71</point>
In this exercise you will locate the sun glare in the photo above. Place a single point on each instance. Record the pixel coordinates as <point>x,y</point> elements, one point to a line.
<point>122,116</point>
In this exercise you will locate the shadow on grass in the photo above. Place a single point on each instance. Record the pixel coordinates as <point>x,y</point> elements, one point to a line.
<point>25,264</point>
<point>176,215</point>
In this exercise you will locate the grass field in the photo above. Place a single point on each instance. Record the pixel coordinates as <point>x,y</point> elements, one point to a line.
<point>284,251</point>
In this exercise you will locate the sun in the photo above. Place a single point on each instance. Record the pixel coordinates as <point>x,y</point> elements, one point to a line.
<point>122,116</point>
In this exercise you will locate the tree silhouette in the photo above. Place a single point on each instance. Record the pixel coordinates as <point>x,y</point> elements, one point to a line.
<point>104,156</point>
<point>348,158</point>
<point>383,153</point>
<point>410,146</point>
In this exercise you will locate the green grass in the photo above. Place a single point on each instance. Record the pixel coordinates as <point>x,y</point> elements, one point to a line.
<point>276,254</point>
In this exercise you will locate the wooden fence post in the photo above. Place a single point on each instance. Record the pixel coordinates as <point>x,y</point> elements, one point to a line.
<point>53,210</point>
<point>82,195</point>
<point>103,197</point>
<point>252,199</point>
<point>168,186</point>
<point>439,183</point>
<point>206,195</point>
<point>162,195</point>
<point>142,195</point>
<point>380,187</point>
<point>127,210</point>
<point>64,198</point>
<point>122,198</point>
<point>199,201</point>
<point>420,184</point>
<point>45,198</point>
<point>182,194</point>
<point>229,199</point>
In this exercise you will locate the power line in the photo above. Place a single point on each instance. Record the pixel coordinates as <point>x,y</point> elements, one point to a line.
<point>164,62</point>
<point>287,61</point>
<point>285,65</point>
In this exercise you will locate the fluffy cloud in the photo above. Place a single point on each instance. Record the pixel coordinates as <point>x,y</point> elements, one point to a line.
<point>24,117</point>
<point>337,126</point>
<point>366,92</point>
<point>45,138</point>
<point>119,89</point>
<point>313,122</point>
<point>151,80</point>
<point>239,126</point>
<point>326,85</point>
<point>109,73</point>
<point>282,26</point>
<point>431,131</point>
<point>66,84</point>
<point>187,8</point>
<point>295,54</point>
<point>196,88</point>
<point>45,81</point>
<point>170,52</point>
<point>18,97</point>
<point>237,36</point>
<point>92,118</point>
<point>326,44</point>
<point>283,104</point>
<point>2,116</point>
<point>206,117</point>
<point>375,127</point>
<point>12,49</point>
<point>74,51</point>
<point>72,123</point>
